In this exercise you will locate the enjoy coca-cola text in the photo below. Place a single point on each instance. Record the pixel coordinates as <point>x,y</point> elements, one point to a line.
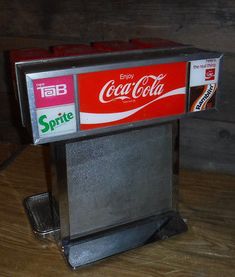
<point>148,85</point>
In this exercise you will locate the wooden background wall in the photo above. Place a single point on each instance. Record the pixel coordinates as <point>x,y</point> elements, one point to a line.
<point>207,142</point>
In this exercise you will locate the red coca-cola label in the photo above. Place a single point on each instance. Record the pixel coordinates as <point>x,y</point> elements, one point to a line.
<point>210,74</point>
<point>129,95</point>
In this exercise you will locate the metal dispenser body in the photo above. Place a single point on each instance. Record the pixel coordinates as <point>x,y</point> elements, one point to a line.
<point>111,118</point>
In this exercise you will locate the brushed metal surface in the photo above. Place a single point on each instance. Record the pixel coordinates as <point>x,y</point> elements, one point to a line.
<point>117,179</point>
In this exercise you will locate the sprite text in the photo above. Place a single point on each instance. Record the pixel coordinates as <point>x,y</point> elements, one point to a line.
<point>54,123</point>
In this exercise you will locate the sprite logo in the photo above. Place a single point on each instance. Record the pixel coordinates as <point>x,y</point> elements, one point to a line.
<point>52,124</point>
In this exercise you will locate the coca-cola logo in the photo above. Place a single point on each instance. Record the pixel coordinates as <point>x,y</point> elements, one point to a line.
<point>210,74</point>
<point>148,85</point>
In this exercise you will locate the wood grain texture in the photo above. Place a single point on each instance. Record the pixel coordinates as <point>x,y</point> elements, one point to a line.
<point>207,201</point>
<point>6,150</point>
<point>98,20</point>
<point>207,145</point>
<point>9,152</point>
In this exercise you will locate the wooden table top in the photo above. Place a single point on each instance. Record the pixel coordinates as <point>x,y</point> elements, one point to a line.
<point>207,201</point>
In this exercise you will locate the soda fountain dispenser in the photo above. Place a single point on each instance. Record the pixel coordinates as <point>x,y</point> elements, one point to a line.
<point>110,113</point>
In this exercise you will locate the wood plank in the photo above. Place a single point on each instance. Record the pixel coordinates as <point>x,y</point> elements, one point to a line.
<point>7,108</point>
<point>6,152</point>
<point>207,145</point>
<point>210,22</point>
<point>207,249</point>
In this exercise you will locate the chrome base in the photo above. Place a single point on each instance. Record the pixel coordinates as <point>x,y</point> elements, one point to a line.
<point>85,250</point>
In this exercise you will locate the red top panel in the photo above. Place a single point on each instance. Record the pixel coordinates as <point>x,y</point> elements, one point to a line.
<point>29,54</point>
<point>21,55</point>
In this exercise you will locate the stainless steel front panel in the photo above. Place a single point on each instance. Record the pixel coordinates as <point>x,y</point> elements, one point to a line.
<point>117,179</point>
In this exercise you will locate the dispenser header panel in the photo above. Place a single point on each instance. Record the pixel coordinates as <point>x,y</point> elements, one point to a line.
<point>67,98</point>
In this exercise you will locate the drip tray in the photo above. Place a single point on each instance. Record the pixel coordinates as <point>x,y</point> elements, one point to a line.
<point>42,215</point>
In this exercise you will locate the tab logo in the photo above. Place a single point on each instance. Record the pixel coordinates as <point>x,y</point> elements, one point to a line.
<point>54,91</point>
<point>50,91</point>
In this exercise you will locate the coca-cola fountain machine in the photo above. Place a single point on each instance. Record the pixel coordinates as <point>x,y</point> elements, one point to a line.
<point>110,113</point>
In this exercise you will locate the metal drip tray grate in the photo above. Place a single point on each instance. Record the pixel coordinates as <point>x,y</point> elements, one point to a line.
<point>42,215</point>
